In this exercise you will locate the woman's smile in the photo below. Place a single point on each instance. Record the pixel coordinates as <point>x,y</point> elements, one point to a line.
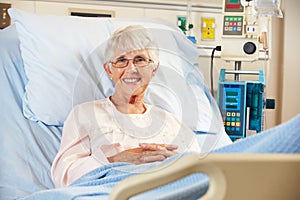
<point>131,80</point>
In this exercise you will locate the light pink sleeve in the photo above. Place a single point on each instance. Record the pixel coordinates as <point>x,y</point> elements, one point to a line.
<point>74,158</point>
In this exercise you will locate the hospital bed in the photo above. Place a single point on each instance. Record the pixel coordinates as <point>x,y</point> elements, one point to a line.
<point>35,99</point>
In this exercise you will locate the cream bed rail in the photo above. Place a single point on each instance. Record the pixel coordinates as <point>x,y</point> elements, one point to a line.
<point>232,176</point>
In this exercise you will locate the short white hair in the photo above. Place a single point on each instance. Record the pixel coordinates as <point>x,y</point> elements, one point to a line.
<point>131,38</point>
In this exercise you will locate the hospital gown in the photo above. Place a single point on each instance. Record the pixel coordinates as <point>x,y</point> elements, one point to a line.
<point>92,127</point>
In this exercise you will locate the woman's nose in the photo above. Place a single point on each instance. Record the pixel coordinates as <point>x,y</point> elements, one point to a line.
<point>131,65</point>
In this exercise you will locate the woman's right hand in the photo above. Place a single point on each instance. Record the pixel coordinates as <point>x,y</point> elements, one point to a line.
<point>145,153</point>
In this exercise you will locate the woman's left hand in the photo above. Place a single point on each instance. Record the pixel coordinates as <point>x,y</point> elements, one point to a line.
<point>146,153</point>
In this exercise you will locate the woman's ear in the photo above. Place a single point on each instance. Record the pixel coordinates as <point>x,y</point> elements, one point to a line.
<point>155,68</point>
<point>107,68</point>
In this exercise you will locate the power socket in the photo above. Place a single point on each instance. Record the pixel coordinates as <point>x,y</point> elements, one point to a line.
<point>4,17</point>
<point>208,28</point>
<point>251,30</point>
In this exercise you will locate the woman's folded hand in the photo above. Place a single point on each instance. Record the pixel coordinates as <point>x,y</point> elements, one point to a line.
<point>146,153</point>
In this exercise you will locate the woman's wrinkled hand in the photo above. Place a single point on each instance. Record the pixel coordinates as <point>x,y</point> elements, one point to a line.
<point>145,153</point>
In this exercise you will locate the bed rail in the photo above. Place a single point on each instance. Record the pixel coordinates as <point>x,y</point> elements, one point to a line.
<point>232,176</point>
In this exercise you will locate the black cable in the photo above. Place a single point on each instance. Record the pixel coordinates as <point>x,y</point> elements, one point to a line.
<point>217,48</point>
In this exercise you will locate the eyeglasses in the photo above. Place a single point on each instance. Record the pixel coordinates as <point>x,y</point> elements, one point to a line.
<point>138,61</point>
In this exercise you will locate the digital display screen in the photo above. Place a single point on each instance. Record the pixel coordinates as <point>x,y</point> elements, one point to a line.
<point>231,106</point>
<point>230,93</point>
<point>233,6</point>
<point>231,100</point>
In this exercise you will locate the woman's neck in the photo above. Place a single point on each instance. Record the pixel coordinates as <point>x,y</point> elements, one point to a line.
<point>129,105</point>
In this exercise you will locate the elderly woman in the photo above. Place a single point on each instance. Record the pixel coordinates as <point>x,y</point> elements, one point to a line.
<point>121,128</point>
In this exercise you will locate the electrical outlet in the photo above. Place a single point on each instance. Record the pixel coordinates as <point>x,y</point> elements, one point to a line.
<point>4,17</point>
<point>208,28</point>
<point>251,29</point>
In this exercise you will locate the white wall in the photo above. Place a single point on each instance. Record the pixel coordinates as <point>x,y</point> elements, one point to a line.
<point>291,60</point>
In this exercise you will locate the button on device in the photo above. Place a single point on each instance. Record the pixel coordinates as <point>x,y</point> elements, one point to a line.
<point>249,48</point>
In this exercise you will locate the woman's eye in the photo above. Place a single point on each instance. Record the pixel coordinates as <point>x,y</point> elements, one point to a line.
<point>140,59</point>
<point>121,60</point>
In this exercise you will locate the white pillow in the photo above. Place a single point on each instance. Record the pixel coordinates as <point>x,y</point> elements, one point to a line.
<point>63,63</point>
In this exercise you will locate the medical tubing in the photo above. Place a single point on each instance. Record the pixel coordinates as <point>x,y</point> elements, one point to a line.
<point>217,48</point>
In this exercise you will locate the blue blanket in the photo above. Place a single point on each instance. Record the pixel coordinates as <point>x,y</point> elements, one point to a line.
<point>99,183</point>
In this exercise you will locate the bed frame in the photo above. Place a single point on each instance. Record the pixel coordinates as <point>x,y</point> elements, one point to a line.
<point>232,176</point>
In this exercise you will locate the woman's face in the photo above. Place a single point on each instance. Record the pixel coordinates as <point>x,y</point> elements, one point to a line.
<point>133,78</point>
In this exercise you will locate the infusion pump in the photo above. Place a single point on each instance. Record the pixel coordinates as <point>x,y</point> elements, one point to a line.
<point>241,102</point>
<point>240,34</point>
